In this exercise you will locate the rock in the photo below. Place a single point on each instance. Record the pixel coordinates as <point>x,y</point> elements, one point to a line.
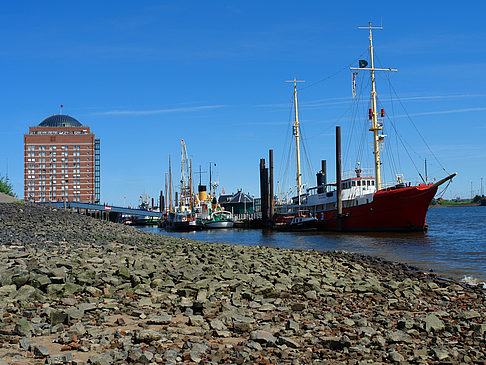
<point>170,355</point>
<point>398,337</point>
<point>63,359</point>
<point>432,323</point>
<point>26,292</point>
<point>101,359</point>
<point>163,318</point>
<point>56,317</point>
<point>299,306</point>
<point>217,324</point>
<point>23,328</point>
<point>469,315</point>
<point>41,351</point>
<point>148,336</point>
<point>78,329</point>
<point>243,324</point>
<point>263,337</point>
<point>86,307</point>
<point>396,356</point>
<point>8,290</point>
<point>288,342</point>
<point>311,294</point>
<point>292,325</point>
<point>440,354</point>
<point>25,343</point>
<point>196,320</point>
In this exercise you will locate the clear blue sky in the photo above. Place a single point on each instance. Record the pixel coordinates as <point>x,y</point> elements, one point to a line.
<point>144,74</point>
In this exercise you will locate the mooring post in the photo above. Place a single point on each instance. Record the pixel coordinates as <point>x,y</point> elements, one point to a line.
<point>264,191</point>
<point>270,183</point>
<point>339,200</point>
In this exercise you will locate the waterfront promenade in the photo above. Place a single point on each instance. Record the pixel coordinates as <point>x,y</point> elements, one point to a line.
<point>73,288</point>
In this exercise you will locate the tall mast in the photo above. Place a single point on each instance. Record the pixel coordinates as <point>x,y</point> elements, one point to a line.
<point>376,126</point>
<point>296,133</point>
<point>170,186</point>
<point>182,170</point>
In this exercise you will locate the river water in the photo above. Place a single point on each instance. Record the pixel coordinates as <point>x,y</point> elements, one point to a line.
<point>454,246</point>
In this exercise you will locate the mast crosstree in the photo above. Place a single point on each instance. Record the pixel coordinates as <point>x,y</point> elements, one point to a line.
<point>376,125</point>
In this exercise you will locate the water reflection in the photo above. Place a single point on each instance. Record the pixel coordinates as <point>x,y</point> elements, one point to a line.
<point>454,246</point>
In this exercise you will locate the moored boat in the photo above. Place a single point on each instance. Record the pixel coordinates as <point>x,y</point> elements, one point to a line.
<point>219,219</point>
<point>364,202</point>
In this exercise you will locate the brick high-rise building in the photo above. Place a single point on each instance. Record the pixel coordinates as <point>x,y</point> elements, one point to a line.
<point>61,162</point>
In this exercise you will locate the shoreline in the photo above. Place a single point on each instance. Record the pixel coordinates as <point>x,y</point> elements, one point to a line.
<point>77,289</point>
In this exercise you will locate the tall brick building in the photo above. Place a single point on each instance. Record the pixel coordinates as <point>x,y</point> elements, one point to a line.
<point>61,161</point>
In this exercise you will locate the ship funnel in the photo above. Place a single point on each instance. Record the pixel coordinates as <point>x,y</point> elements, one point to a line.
<point>322,178</point>
<point>202,193</point>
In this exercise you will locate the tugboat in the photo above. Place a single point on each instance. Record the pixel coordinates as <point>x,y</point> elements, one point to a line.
<point>183,216</point>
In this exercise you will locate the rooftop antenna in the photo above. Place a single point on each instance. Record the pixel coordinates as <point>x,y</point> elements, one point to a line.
<point>60,109</point>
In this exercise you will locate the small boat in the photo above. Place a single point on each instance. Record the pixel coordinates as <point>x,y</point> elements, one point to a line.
<point>182,221</point>
<point>219,219</point>
<point>302,221</point>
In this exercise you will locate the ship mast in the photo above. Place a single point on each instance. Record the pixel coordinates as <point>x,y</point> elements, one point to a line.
<point>296,134</point>
<point>185,174</point>
<point>376,125</point>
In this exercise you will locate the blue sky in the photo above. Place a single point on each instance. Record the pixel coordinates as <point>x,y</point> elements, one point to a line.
<point>144,75</point>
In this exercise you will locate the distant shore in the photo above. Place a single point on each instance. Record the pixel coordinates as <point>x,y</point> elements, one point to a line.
<point>76,289</point>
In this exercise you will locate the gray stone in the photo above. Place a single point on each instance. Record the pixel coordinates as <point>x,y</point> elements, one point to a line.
<point>288,342</point>
<point>78,329</point>
<point>440,354</point>
<point>399,336</point>
<point>217,324</point>
<point>469,315</point>
<point>396,356</point>
<point>86,307</point>
<point>263,337</point>
<point>101,359</point>
<point>41,351</point>
<point>23,328</point>
<point>25,343</point>
<point>26,292</point>
<point>311,294</point>
<point>163,318</point>
<point>8,290</point>
<point>56,317</point>
<point>299,306</point>
<point>148,335</point>
<point>61,359</point>
<point>196,320</point>
<point>243,324</point>
<point>171,355</point>
<point>292,325</point>
<point>432,323</point>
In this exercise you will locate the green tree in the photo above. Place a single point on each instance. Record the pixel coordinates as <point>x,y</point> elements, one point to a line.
<point>6,187</point>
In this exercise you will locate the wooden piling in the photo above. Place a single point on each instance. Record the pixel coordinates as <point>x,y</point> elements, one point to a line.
<point>339,198</point>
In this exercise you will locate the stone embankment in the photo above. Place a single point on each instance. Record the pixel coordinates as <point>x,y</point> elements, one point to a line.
<point>76,290</point>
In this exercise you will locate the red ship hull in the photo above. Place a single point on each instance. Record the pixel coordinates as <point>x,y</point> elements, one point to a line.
<point>402,209</point>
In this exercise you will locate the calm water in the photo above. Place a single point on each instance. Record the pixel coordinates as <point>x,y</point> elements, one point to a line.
<point>454,246</point>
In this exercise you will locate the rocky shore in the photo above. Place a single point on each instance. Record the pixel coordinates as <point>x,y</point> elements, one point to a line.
<point>76,290</point>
